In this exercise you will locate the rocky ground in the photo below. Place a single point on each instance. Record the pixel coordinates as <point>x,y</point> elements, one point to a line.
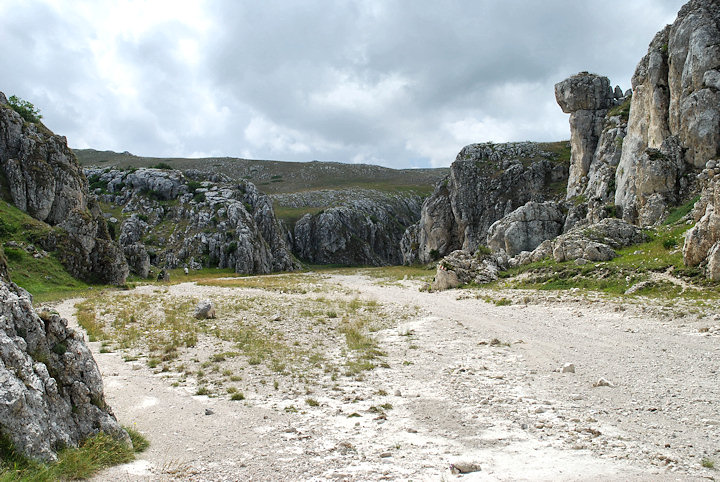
<point>470,379</point>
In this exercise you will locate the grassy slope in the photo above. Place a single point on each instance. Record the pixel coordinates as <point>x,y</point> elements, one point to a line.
<point>43,277</point>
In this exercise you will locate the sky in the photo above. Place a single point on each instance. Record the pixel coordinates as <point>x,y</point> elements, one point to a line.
<point>403,84</point>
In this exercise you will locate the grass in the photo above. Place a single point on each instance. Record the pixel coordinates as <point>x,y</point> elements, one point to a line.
<point>93,455</point>
<point>634,264</point>
<point>328,335</point>
<point>681,211</point>
<point>707,463</point>
<point>43,276</point>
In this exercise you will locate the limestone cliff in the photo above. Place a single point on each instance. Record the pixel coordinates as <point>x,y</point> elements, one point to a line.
<point>41,176</point>
<point>52,392</point>
<point>361,231</point>
<point>674,125</point>
<point>486,182</point>
<point>168,219</point>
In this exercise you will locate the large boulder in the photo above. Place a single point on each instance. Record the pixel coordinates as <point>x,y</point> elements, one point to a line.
<point>52,392</point>
<point>461,267</point>
<point>44,179</point>
<point>526,227</point>
<point>674,124</point>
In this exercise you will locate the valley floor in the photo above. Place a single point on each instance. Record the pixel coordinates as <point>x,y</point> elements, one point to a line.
<point>462,381</point>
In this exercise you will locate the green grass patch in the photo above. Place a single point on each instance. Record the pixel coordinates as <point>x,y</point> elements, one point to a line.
<point>93,455</point>
<point>681,211</point>
<point>42,275</point>
<point>634,264</point>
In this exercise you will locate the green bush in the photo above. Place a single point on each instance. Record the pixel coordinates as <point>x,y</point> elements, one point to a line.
<point>26,110</point>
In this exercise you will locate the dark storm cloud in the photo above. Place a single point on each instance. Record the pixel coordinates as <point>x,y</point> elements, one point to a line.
<point>395,82</point>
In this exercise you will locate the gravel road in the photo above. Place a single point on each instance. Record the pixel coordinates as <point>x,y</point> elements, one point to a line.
<point>465,385</point>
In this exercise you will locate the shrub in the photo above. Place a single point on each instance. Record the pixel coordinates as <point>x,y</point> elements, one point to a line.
<point>26,110</point>
<point>162,165</point>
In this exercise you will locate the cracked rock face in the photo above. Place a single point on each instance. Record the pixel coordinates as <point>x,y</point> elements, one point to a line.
<point>702,242</point>
<point>486,183</point>
<point>675,95</point>
<point>526,227</point>
<point>176,220</point>
<point>46,181</point>
<point>51,392</point>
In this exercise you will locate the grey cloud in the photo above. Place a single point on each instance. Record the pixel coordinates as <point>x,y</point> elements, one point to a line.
<point>405,83</point>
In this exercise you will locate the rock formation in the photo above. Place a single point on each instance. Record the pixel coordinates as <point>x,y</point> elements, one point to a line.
<point>359,232</point>
<point>171,219</point>
<point>702,242</point>
<point>460,267</point>
<point>486,182</point>
<point>44,179</point>
<point>526,227</point>
<point>594,242</point>
<point>52,392</point>
<point>674,125</point>
<point>587,98</point>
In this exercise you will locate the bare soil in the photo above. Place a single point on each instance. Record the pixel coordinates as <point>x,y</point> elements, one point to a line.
<point>462,382</point>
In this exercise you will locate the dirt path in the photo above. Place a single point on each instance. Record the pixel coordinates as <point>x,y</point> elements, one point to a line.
<point>451,395</point>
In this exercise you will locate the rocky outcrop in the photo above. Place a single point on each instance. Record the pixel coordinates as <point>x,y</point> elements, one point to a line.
<point>359,232</point>
<point>461,267</point>
<point>526,227</point>
<point>674,125</point>
<point>171,220</point>
<point>595,242</point>
<point>587,98</point>
<point>486,183</point>
<point>702,241</point>
<point>52,392</point>
<point>44,179</point>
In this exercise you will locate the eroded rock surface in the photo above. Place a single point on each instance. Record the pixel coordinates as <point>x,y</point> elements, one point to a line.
<point>674,124</point>
<point>526,227</point>
<point>702,242</point>
<point>486,183</point>
<point>364,231</point>
<point>52,392</point>
<point>587,98</point>
<point>45,180</point>
<point>175,220</point>
<point>595,242</point>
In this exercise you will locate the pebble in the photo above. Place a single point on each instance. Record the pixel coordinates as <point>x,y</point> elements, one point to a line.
<point>568,368</point>
<point>209,411</point>
<point>464,467</point>
<point>603,383</point>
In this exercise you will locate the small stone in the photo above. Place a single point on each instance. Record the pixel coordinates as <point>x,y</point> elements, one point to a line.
<point>464,467</point>
<point>385,455</point>
<point>204,310</point>
<point>398,393</point>
<point>568,368</point>
<point>209,411</point>
<point>603,383</point>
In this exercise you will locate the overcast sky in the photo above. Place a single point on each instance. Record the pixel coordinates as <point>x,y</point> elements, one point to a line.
<point>397,83</point>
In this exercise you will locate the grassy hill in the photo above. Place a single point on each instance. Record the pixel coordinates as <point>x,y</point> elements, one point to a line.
<point>281,176</point>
